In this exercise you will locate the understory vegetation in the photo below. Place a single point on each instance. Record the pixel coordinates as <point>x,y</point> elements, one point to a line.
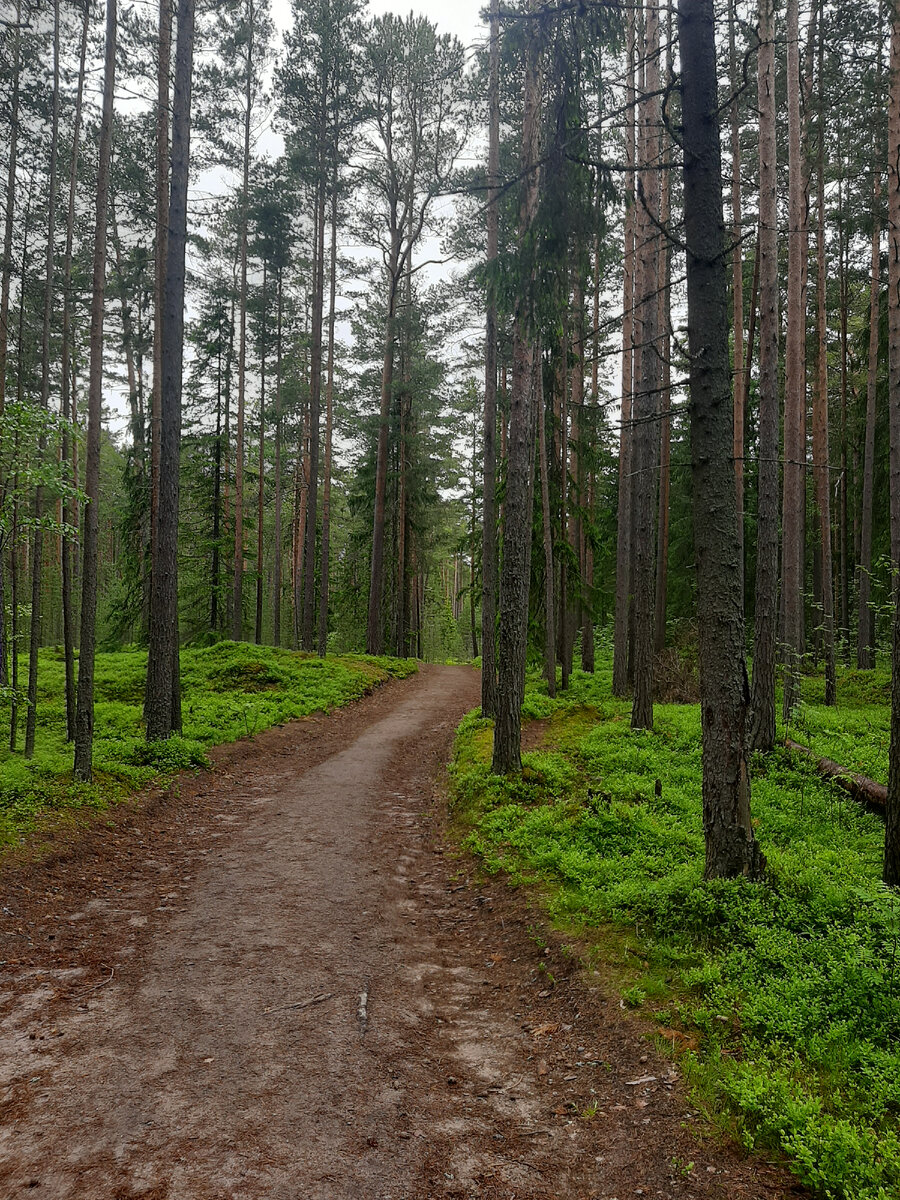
<point>781,999</point>
<point>229,690</point>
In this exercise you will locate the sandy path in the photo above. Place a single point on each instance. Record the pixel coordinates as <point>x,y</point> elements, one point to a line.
<point>159,1056</point>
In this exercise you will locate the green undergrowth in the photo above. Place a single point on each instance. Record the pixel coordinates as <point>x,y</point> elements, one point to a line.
<point>229,690</point>
<point>783,998</point>
<point>856,731</point>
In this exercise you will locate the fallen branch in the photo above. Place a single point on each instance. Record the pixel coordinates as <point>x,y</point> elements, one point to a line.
<point>860,787</point>
<point>320,999</point>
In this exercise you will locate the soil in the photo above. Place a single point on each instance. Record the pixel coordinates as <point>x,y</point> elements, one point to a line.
<point>279,980</point>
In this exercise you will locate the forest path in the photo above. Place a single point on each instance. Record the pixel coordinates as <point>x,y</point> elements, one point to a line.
<point>280,983</point>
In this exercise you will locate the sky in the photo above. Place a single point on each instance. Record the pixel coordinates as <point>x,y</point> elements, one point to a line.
<point>451,16</point>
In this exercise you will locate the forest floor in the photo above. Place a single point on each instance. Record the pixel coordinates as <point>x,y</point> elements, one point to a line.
<point>279,979</point>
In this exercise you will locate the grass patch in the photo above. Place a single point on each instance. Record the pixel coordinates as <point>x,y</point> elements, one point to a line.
<point>229,690</point>
<point>783,999</point>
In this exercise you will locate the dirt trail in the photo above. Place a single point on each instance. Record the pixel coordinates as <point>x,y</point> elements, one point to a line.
<point>281,984</point>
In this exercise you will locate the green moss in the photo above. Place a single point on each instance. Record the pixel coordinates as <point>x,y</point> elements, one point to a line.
<point>789,989</point>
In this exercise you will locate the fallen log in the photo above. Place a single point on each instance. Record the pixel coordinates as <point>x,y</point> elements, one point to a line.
<point>860,787</point>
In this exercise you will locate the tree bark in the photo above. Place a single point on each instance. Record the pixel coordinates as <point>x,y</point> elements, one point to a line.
<point>261,467</point>
<point>279,439</point>
<point>623,519</point>
<point>164,65</point>
<point>315,404</point>
<point>515,576</point>
<point>731,848</point>
<point>737,274</point>
<point>794,501</point>
<point>375,624</point>
<point>646,399</point>
<point>865,646</point>
<point>893,182</point>
<point>37,560</point>
<point>489,562</point>
<point>163,711</point>
<point>547,525</point>
<point>237,601</point>
<point>762,712</point>
<point>325,585</point>
<point>821,465</point>
<point>665,448</point>
<point>84,713</point>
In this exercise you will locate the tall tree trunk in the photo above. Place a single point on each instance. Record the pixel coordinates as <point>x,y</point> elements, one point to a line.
<point>793,508</point>
<point>843,246</point>
<point>237,600</point>
<point>737,273</point>
<point>37,561</point>
<point>5,278</point>
<point>623,519</point>
<point>646,400</point>
<point>261,477</point>
<point>215,568</point>
<point>489,560</point>
<point>325,584</point>
<point>865,648</point>
<point>163,710</point>
<point>164,64</point>
<point>731,848</point>
<point>515,576</point>
<point>547,525</point>
<point>279,438</point>
<point>892,813</point>
<point>576,505</point>
<point>315,404</point>
<point>820,416</point>
<point>375,623</point>
<point>564,632</point>
<point>893,181</point>
<point>84,713</point>
<point>665,448</point>
<point>762,713</point>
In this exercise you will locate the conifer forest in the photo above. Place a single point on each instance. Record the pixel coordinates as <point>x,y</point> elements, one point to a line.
<point>333,343</point>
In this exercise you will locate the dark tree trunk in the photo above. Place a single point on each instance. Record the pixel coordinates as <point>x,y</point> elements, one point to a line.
<point>324,587</point>
<point>217,496</point>
<point>865,648</point>
<point>891,873</point>
<point>375,624</point>
<point>5,278</point>
<point>794,502</point>
<point>37,559</point>
<point>515,576</point>
<point>261,468</point>
<point>665,447</point>
<point>163,710</point>
<point>762,719</point>
<point>737,273</point>
<point>731,848</point>
<point>893,179</point>
<point>84,712</point>
<point>279,438</point>
<point>820,413</point>
<point>315,405</point>
<point>163,71</point>
<point>237,598</point>
<point>623,519</point>
<point>547,525</point>
<point>489,561</point>
<point>646,398</point>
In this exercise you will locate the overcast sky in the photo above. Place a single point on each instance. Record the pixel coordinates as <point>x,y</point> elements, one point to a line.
<point>450,16</point>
